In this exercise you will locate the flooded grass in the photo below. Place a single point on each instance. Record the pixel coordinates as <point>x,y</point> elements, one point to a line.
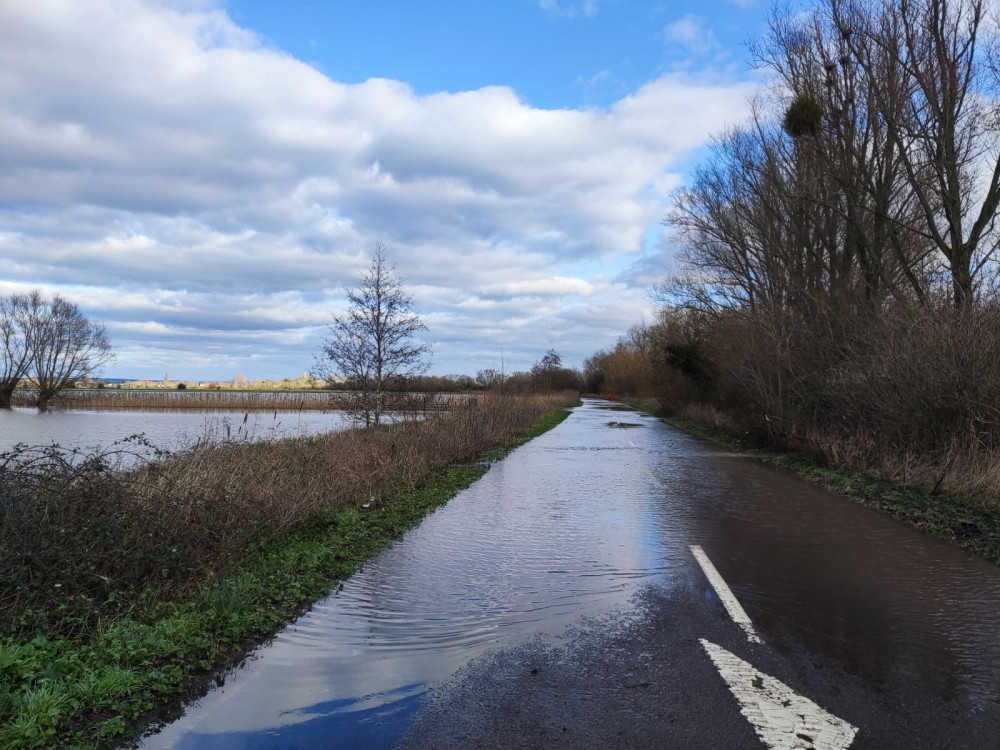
<point>154,578</point>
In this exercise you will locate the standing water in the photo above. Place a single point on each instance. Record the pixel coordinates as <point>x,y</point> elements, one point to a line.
<point>561,529</point>
<point>573,525</point>
<point>90,429</point>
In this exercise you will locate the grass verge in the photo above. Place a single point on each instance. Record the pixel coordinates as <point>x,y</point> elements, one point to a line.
<point>956,519</point>
<point>103,683</point>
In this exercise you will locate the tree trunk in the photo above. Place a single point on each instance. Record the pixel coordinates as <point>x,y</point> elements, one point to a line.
<point>5,397</point>
<point>961,281</point>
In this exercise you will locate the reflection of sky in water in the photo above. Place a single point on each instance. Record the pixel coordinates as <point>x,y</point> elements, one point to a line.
<point>558,531</point>
<point>92,428</point>
<point>572,525</point>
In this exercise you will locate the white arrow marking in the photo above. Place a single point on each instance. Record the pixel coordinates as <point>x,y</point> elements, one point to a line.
<point>782,719</point>
<point>730,602</point>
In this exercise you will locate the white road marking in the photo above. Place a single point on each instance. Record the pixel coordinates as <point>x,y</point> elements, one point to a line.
<point>782,719</point>
<point>729,601</point>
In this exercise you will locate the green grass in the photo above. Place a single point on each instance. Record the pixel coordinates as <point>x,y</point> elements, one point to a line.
<point>91,691</point>
<point>958,520</point>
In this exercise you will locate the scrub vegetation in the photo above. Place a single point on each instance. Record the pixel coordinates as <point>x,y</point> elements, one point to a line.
<point>837,294</point>
<point>123,590</point>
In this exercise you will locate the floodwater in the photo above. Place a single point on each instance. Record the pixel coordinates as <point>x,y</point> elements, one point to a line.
<point>573,525</point>
<point>89,429</point>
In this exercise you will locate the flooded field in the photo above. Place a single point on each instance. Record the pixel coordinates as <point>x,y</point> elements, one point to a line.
<point>168,429</point>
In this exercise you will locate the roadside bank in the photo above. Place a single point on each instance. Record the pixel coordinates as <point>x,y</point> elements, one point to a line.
<point>72,676</point>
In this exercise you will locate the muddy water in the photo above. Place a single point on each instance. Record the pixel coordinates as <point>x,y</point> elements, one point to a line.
<point>573,525</point>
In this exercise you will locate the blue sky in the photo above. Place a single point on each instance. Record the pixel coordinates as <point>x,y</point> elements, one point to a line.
<point>206,177</point>
<point>553,54</point>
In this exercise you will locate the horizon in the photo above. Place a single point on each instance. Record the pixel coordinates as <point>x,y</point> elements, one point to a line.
<point>207,177</point>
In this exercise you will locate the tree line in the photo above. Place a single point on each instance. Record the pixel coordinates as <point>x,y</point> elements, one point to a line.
<point>869,172</point>
<point>47,343</point>
<point>837,278</point>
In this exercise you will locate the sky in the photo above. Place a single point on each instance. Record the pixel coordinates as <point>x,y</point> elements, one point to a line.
<point>207,177</point>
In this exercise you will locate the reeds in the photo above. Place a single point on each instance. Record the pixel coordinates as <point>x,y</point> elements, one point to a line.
<point>248,400</point>
<point>232,400</point>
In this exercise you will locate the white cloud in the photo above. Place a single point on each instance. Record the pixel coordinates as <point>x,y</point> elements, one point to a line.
<point>185,182</point>
<point>692,33</point>
<point>569,8</point>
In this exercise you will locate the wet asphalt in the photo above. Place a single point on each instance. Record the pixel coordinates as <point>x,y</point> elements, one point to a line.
<point>557,603</point>
<point>901,642</point>
<point>646,682</point>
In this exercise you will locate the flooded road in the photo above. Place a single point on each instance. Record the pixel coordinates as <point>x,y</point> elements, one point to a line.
<point>557,602</point>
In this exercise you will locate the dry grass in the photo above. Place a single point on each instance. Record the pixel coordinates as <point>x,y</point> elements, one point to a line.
<point>173,399</point>
<point>234,400</point>
<point>74,526</point>
<point>707,414</point>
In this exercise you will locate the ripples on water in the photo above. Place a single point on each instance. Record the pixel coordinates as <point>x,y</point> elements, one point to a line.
<point>573,525</point>
<point>560,530</point>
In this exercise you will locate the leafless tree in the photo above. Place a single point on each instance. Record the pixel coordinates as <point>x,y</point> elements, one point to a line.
<point>489,378</point>
<point>372,343</point>
<point>64,345</point>
<point>543,372</point>
<point>946,132</point>
<point>873,249</point>
<point>48,342</point>
<point>15,342</point>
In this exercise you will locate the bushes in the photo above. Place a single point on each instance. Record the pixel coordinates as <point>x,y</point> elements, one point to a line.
<point>82,540</point>
<point>908,391</point>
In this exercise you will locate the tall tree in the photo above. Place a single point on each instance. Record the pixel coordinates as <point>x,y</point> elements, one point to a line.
<point>946,132</point>
<point>372,343</point>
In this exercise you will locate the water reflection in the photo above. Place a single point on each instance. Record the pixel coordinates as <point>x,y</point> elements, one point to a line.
<point>168,429</point>
<point>573,525</point>
<point>893,606</point>
<point>558,531</point>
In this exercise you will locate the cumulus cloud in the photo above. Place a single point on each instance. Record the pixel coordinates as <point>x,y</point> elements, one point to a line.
<point>196,188</point>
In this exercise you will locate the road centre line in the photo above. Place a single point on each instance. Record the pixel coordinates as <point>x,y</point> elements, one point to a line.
<point>729,601</point>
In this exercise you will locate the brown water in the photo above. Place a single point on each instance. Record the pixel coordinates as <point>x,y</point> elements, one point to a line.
<point>575,524</point>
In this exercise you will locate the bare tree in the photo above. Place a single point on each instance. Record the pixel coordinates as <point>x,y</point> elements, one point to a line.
<point>489,378</point>
<point>64,345</point>
<point>372,343</point>
<point>15,342</point>
<point>872,252</point>
<point>946,133</point>
<point>544,370</point>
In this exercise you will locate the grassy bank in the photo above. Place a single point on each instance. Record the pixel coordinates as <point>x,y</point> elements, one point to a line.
<point>124,592</point>
<point>968,522</point>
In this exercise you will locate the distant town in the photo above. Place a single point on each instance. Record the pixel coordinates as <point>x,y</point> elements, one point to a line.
<point>239,382</point>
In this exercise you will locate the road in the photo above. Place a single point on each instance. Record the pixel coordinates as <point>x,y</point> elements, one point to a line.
<point>616,583</point>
